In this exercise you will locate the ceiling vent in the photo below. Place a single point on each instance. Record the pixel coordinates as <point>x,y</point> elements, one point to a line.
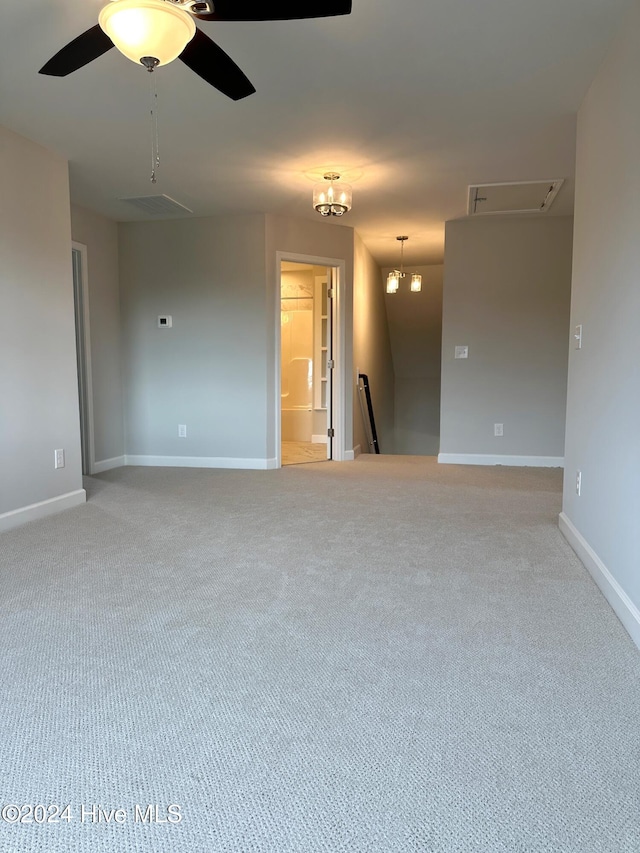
<point>157,205</point>
<point>523,197</point>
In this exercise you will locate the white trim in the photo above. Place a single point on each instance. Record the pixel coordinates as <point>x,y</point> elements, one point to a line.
<point>42,509</point>
<point>108,464</point>
<point>623,607</point>
<point>514,461</point>
<point>318,439</point>
<point>199,462</point>
<point>340,375</point>
<point>556,184</point>
<point>88,373</point>
<point>357,450</point>
<point>349,456</point>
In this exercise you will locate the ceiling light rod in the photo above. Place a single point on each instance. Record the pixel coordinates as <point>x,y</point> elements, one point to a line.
<point>332,200</point>
<point>393,279</point>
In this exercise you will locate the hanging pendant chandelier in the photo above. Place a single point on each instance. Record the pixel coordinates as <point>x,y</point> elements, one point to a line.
<point>393,279</point>
<point>332,198</point>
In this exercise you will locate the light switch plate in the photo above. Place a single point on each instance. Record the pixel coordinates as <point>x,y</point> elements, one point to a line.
<point>462,352</point>
<point>577,337</point>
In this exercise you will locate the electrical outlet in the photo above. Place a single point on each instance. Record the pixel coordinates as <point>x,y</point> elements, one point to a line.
<point>579,483</point>
<point>182,430</point>
<point>498,429</point>
<point>59,459</point>
<point>462,352</point>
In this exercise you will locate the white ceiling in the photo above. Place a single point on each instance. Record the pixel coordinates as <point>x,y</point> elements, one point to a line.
<point>411,100</point>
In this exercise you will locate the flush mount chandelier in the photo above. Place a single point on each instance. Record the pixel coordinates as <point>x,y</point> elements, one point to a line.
<point>332,198</point>
<point>393,279</point>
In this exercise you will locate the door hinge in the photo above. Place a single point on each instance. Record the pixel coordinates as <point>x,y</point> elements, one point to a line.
<point>330,293</point>
<point>331,364</point>
<point>331,433</point>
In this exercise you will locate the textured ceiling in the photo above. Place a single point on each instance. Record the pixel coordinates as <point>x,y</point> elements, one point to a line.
<point>412,101</point>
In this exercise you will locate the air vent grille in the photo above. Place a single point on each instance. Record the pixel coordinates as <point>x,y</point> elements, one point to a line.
<point>523,197</point>
<point>157,205</point>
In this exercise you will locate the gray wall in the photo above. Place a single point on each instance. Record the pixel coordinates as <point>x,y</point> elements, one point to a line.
<point>506,296</point>
<point>38,378</point>
<point>100,236</point>
<point>209,371</point>
<point>371,349</point>
<point>603,411</point>
<point>415,328</point>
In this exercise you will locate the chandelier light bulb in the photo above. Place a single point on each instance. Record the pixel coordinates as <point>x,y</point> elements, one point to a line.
<point>416,283</point>
<point>393,280</point>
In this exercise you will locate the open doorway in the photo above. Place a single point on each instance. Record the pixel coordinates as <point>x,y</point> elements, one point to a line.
<point>306,362</point>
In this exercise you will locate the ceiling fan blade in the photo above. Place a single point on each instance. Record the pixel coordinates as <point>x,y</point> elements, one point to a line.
<point>79,52</point>
<point>212,64</point>
<point>278,10</point>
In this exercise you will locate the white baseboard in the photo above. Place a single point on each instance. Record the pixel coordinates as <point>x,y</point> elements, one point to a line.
<point>318,439</point>
<point>41,509</point>
<point>200,462</point>
<point>624,608</point>
<point>349,455</point>
<point>514,461</point>
<point>357,450</point>
<point>108,464</point>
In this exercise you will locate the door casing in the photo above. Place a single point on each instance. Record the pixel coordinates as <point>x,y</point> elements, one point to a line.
<point>83,354</point>
<point>340,372</point>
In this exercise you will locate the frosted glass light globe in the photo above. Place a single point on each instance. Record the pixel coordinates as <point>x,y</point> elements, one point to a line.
<point>154,28</point>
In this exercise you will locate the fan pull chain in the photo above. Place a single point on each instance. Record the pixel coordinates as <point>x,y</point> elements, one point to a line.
<point>155,138</point>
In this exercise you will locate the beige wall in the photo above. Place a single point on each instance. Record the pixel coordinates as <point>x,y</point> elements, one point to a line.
<point>38,379</point>
<point>371,349</point>
<point>603,409</point>
<point>507,287</point>
<point>100,236</point>
<point>415,328</point>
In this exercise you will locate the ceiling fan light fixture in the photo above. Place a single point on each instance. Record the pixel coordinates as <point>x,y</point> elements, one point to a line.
<point>332,198</point>
<point>147,28</point>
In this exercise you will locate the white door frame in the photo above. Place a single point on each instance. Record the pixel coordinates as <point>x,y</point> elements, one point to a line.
<point>341,371</point>
<point>85,381</point>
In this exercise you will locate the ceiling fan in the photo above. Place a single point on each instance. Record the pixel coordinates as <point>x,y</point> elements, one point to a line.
<point>154,32</point>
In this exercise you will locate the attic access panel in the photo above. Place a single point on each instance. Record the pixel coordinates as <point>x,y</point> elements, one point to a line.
<point>513,197</point>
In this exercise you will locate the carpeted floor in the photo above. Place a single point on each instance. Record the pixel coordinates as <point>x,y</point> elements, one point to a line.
<point>387,655</point>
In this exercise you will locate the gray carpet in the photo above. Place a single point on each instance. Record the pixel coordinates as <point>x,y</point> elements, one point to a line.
<point>388,655</point>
